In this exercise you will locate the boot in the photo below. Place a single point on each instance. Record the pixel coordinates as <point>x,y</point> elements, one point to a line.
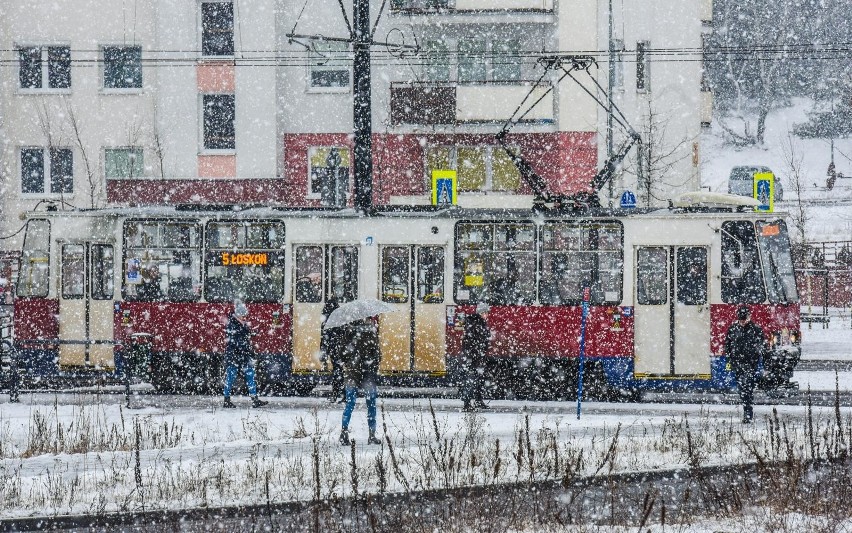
<point>344,437</point>
<point>372,438</point>
<point>257,402</point>
<point>228,403</point>
<point>467,408</point>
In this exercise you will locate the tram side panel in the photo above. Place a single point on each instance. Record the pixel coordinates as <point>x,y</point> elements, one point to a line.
<point>187,341</point>
<point>36,325</point>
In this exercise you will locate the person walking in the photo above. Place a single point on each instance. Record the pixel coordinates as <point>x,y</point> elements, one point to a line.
<point>331,348</point>
<point>239,355</point>
<point>361,368</point>
<point>745,343</point>
<point>477,338</point>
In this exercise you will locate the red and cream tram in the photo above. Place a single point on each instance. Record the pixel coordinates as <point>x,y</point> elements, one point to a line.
<point>664,286</point>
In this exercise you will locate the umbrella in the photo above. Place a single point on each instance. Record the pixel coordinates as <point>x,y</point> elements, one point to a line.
<point>357,310</point>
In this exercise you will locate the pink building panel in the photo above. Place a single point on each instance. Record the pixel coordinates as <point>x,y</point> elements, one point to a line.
<point>215,77</point>
<point>217,166</point>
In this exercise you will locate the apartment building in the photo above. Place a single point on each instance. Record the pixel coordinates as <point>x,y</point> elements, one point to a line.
<point>137,102</point>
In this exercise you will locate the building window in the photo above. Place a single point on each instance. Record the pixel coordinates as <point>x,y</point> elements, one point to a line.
<point>437,61</point>
<point>123,162</point>
<point>479,61</point>
<point>45,67</point>
<point>506,60</point>
<point>219,114</point>
<point>217,29</point>
<point>472,66</point>
<point>643,67</point>
<point>328,170</point>
<point>479,168</point>
<point>329,65</point>
<point>618,63</point>
<point>53,174</point>
<point>122,67</point>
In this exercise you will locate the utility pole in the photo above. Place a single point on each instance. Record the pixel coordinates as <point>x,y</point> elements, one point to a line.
<point>610,88</point>
<point>362,40</point>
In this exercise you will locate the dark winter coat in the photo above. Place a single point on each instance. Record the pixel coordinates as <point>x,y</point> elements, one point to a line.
<point>477,338</point>
<point>238,350</point>
<point>332,339</point>
<point>361,355</point>
<point>744,345</point>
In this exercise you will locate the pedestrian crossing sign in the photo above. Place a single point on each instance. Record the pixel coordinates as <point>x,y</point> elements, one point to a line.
<point>764,191</point>
<point>444,187</point>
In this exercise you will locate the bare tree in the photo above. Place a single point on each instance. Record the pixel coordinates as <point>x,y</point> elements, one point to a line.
<point>157,143</point>
<point>91,165</point>
<point>796,180</point>
<point>656,158</point>
<point>53,132</point>
<point>750,72</point>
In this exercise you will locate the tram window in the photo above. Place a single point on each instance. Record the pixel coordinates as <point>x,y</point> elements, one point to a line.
<point>309,263</point>
<point>395,274</point>
<point>579,254</point>
<point>742,281</point>
<point>777,261</point>
<point>692,276</point>
<point>167,257</point>
<point>652,278</point>
<point>495,263</point>
<point>73,271</point>
<point>430,274</point>
<point>34,272</point>
<point>244,261</point>
<point>344,273</point>
<point>103,264</point>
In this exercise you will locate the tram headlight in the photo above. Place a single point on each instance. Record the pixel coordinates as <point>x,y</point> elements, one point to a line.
<point>784,337</point>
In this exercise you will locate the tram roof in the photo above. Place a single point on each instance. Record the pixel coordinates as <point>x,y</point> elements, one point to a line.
<point>394,212</point>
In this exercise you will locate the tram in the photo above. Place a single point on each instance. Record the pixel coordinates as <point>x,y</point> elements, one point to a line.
<point>663,284</point>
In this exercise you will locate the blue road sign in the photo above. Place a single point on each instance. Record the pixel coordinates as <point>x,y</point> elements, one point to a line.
<point>628,200</point>
<point>444,187</point>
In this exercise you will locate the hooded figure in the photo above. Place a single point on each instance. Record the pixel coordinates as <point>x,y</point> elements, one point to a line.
<point>477,338</point>
<point>239,355</point>
<point>361,369</point>
<point>745,343</point>
<point>331,348</point>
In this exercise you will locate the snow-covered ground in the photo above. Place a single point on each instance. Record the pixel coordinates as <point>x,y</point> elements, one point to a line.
<point>76,453</point>
<point>830,212</point>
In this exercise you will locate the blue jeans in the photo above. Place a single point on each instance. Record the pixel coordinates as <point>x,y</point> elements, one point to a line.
<point>351,395</point>
<point>231,374</point>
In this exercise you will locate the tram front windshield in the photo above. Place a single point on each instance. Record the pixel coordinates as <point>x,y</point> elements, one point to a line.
<point>777,261</point>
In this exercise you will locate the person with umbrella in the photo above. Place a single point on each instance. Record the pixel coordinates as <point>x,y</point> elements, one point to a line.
<point>331,340</point>
<point>360,356</point>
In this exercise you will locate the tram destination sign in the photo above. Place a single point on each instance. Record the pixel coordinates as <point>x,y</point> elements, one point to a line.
<point>242,258</point>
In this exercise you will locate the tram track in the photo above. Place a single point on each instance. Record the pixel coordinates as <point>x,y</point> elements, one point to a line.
<point>141,399</point>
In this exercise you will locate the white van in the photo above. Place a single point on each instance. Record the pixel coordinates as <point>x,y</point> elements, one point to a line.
<point>741,182</point>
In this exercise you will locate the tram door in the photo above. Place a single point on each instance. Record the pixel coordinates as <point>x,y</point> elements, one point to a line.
<point>413,338</point>
<point>86,288</point>
<point>672,312</point>
<point>320,271</point>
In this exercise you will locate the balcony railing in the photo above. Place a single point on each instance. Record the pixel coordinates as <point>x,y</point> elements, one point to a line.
<point>433,103</point>
<point>429,6</point>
